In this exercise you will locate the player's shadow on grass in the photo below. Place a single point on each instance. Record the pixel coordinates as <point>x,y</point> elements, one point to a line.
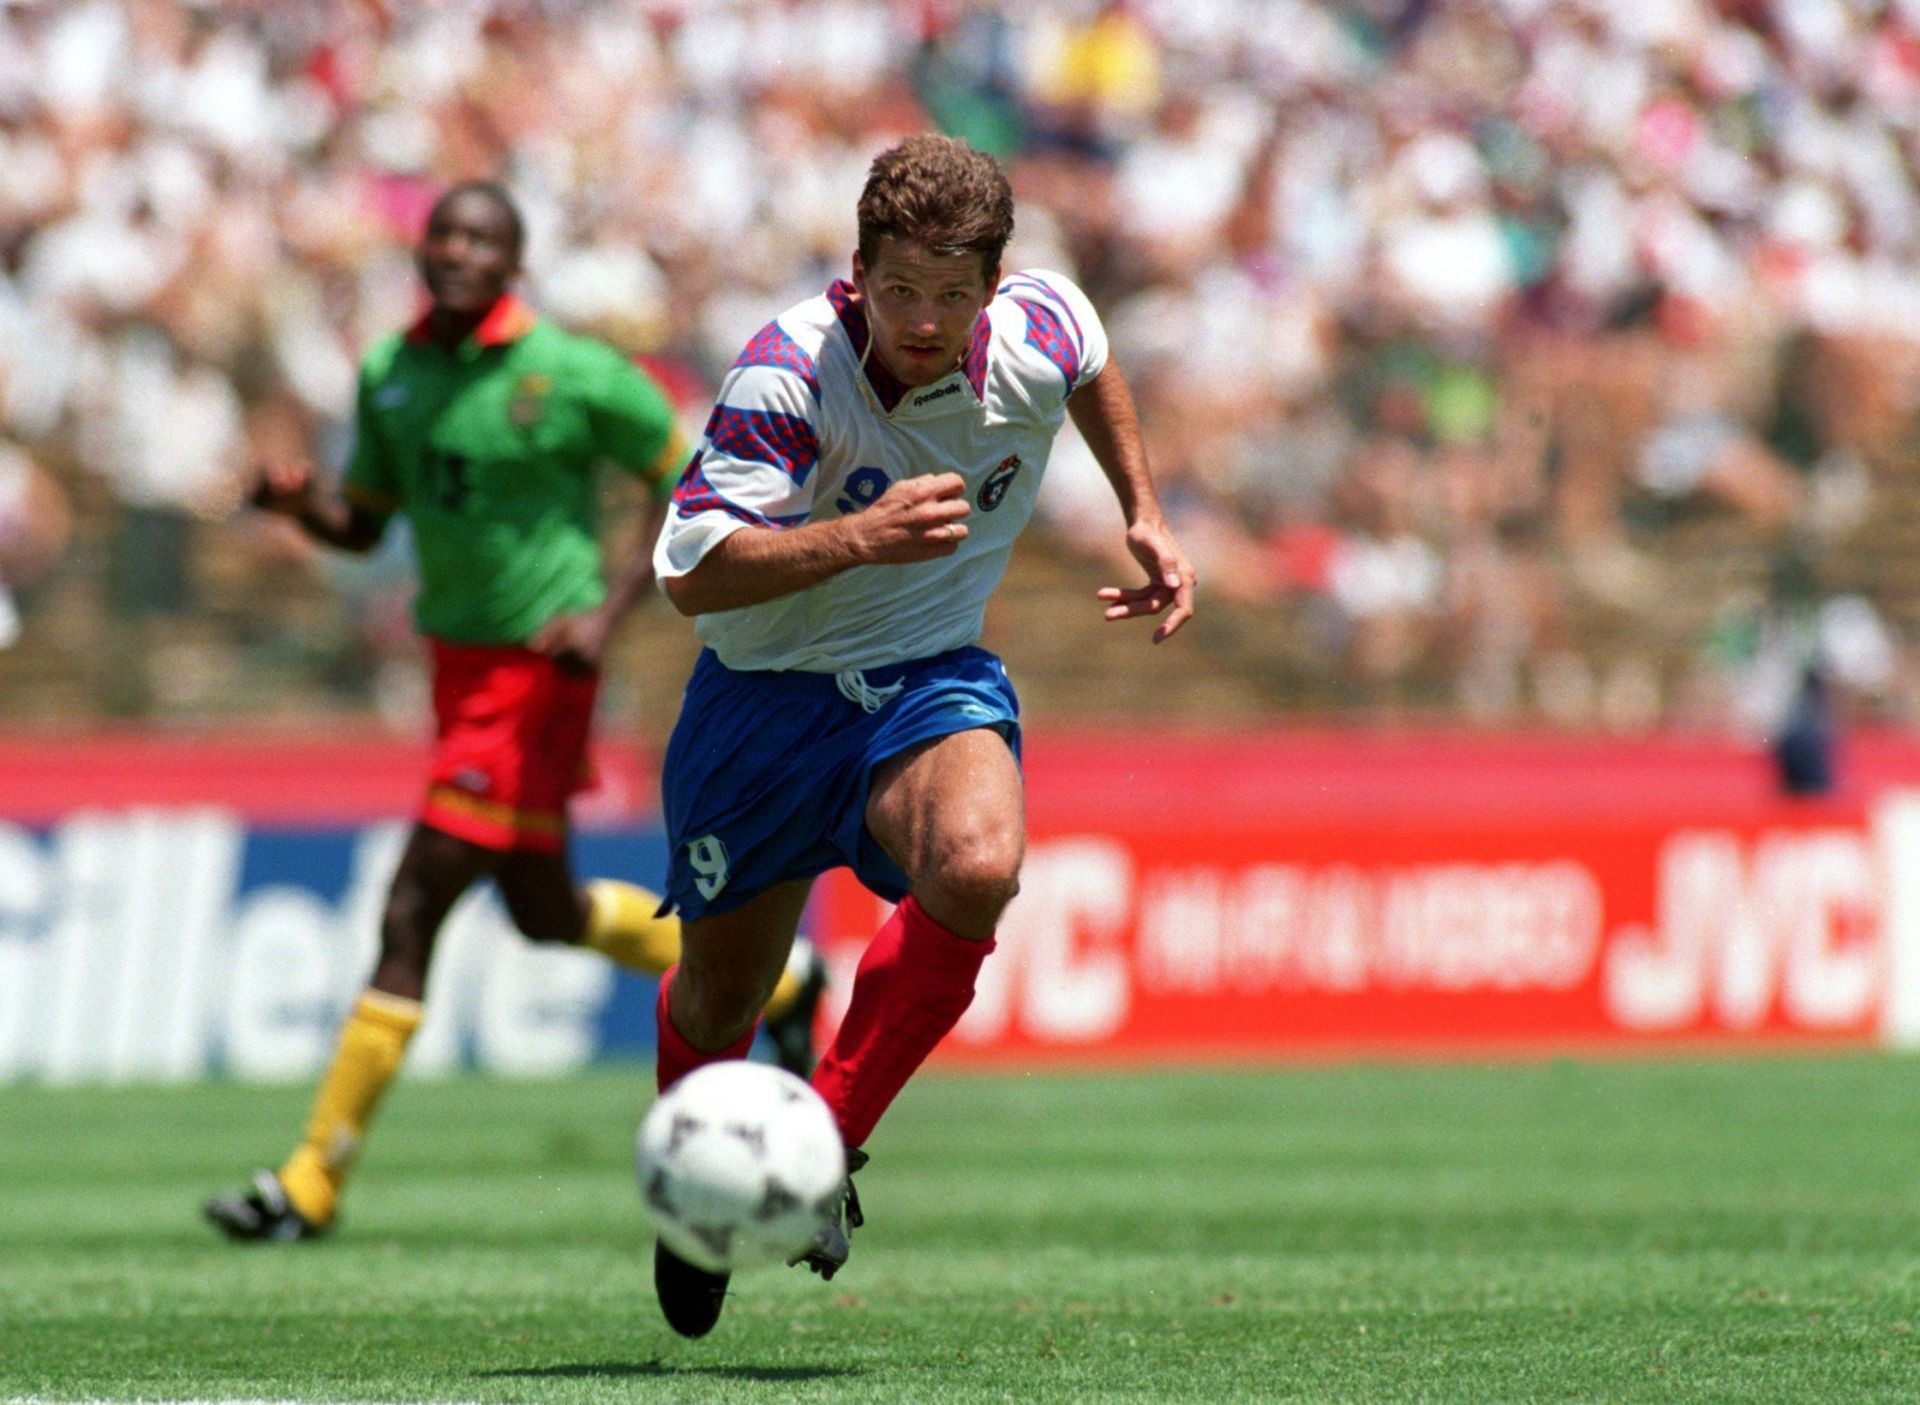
<point>587,1369</point>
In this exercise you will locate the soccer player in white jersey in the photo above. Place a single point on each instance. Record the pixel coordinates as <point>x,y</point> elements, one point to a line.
<point>873,455</point>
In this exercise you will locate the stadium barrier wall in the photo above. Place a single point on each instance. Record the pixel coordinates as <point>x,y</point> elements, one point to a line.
<point>173,909</point>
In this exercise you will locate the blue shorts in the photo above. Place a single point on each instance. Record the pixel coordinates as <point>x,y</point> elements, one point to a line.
<point>766,776</point>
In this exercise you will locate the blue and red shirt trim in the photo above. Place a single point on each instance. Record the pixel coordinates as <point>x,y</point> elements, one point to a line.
<point>773,346</point>
<point>772,437</point>
<point>696,494</point>
<point>1052,329</point>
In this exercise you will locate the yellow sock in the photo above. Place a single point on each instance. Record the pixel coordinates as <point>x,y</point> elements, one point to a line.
<point>621,927</point>
<point>372,1043</point>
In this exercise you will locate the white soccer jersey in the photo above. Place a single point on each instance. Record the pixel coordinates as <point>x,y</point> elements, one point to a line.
<point>809,427</point>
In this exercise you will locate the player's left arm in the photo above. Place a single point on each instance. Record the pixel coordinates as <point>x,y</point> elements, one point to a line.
<point>633,425</point>
<point>1103,411</point>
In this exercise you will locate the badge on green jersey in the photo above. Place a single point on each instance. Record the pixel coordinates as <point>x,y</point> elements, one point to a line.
<point>529,400</point>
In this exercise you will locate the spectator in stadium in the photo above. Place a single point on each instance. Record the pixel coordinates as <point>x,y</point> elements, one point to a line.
<point>900,422</point>
<point>1796,666</point>
<point>485,426</point>
<point>1702,449</point>
<point>1250,188</point>
<point>36,526</point>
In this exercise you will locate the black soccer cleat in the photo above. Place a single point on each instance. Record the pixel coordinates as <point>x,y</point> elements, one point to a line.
<point>260,1210</point>
<point>828,1253</point>
<point>792,1033</point>
<point>690,1297</point>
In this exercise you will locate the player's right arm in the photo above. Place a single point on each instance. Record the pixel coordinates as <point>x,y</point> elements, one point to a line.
<point>288,490</point>
<point>738,532</point>
<point>917,519</point>
<point>355,518</point>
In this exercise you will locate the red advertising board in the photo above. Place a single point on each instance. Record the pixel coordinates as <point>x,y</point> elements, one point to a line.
<point>1298,894</point>
<point>1210,902</point>
<point>267,778</point>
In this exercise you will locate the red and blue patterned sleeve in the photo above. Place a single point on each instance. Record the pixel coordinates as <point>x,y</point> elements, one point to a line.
<point>755,464</point>
<point>1061,325</point>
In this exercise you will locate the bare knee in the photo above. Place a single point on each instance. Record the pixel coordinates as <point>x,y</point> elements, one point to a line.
<point>970,878</point>
<point>541,896</point>
<point>559,916</point>
<point>729,965</point>
<point>713,1008</point>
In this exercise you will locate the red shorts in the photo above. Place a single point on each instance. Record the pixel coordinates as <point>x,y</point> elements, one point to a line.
<point>511,745</point>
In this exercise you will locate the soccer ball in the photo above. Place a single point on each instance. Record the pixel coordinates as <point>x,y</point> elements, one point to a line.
<point>740,1164</point>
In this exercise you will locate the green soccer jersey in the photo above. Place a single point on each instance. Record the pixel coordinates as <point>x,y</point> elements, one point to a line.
<point>491,449</point>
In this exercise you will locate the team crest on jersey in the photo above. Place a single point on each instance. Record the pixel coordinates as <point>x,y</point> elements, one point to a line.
<point>995,487</point>
<point>529,400</point>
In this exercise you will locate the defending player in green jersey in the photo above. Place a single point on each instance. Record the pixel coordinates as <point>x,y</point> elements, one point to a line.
<point>491,448</point>
<point>487,428</point>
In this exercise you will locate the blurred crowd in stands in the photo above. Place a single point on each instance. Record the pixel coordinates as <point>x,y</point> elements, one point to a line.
<point>1506,360</point>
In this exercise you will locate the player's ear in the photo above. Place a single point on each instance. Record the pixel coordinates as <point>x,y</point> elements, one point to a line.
<point>859,273</point>
<point>993,281</point>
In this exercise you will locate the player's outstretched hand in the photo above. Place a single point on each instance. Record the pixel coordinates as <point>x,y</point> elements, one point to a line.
<point>285,488</point>
<point>1170,580</point>
<point>917,519</point>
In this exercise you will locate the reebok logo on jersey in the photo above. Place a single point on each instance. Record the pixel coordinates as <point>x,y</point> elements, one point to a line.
<point>930,396</point>
<point>995,488</point>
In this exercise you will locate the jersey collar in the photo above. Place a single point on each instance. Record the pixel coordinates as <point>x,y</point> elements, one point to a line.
<point>888,388</point>
<point>506,322</point>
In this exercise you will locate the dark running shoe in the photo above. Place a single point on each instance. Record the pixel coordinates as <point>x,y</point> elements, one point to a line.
<point>260,1210</point>
<point>792,1033</point>
<point>690,1297</point>
<point>827,1255</point>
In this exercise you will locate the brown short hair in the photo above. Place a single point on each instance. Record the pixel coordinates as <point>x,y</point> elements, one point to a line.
<point>940,192</point>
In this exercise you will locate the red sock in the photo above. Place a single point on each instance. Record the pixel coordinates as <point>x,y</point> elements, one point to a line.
<point>677,1058</point>
<point>914,983</point>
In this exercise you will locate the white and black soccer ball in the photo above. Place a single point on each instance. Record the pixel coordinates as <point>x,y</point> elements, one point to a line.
<point>740,1164</point>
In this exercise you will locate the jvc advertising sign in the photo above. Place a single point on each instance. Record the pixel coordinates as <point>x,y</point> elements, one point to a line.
<point>1225,902</point>
<point>1142,942</point>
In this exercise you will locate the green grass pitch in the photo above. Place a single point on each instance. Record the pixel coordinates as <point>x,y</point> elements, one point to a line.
<point>1658,1231</point>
